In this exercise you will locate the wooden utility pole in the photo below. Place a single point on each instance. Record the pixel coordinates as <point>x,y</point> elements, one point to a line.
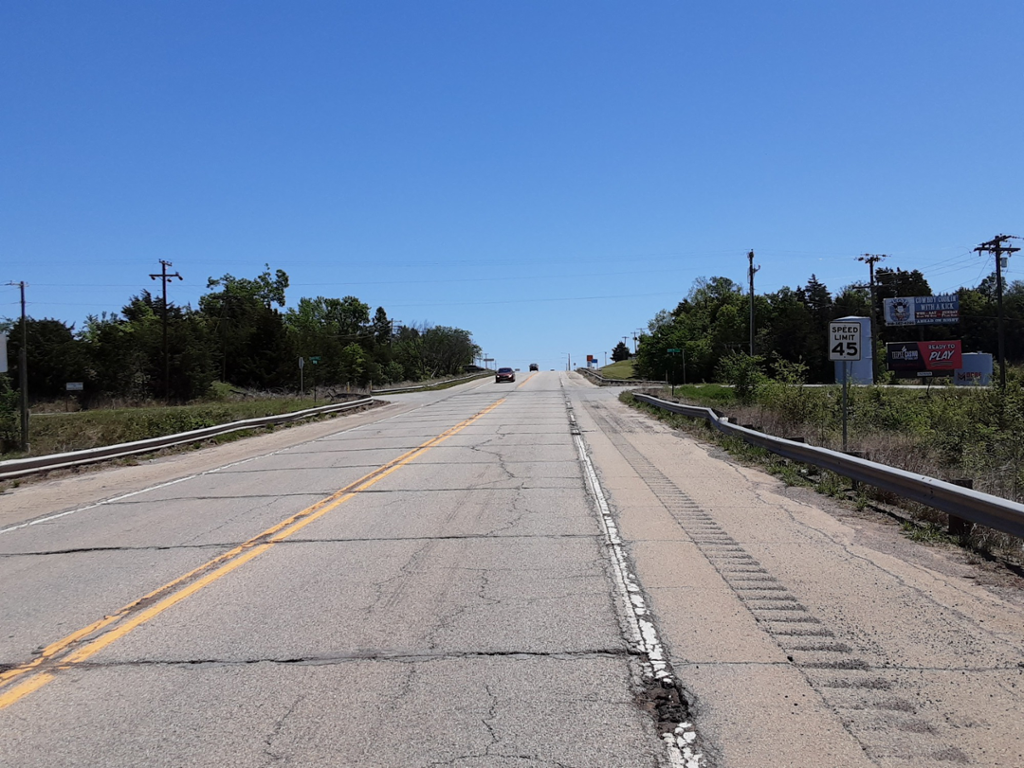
<point>164,277</point>
<point>995,246</point>
<point>23,370</point>
<point>751,270</point>
<point>872,259</point>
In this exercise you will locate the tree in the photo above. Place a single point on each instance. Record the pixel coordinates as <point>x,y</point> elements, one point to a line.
<point>663,318</point>
<point>381,327</point>
<point>852,301</point>
<point>620,352</point>
<point>818,301</point>
<point>266,289</point>
<point>253,346</point>
<point>53,354</point>
<point>447,351</point>
<point>789,331</point>
<point>890,283</point>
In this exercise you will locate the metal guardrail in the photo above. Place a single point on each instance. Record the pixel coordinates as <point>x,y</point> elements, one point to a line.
<point>601,381</point>
<point>19,467</point>
<point>417,387</point>
<point>975,506</point>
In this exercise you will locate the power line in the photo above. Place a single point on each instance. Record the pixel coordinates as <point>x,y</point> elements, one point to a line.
<point>751,271</point>
<point>23,369</point>
<point>164,278</point>
<point>997,249</point>
<point>871,260</point>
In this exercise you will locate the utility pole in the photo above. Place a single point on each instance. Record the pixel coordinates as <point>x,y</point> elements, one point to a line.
<point>995,246</point>
<point>23,370</point>
<point>751,270</point>
<point>872,259</point>
<point>164,277</point>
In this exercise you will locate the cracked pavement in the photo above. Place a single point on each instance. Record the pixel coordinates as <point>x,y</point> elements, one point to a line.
<point>458,613</point>
<point>463,610</point>
<point>806,633</point>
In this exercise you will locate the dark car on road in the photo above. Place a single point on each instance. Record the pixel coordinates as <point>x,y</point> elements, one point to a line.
<point>534,367</point>
<point>504,374</point>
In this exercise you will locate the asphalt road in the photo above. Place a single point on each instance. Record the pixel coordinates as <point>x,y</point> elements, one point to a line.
<point>492,575</point>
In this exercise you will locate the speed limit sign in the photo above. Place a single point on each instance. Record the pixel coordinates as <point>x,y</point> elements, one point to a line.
<point>844,341</point>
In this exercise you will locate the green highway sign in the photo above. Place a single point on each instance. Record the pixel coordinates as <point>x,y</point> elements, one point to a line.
<point>674,351</point>
<point>314,359</point>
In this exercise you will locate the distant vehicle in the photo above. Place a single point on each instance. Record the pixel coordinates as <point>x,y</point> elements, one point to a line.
<point>504,374</point>
<point>534,367</point>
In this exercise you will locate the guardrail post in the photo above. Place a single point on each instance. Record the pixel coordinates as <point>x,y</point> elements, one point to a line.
<point>957,525</point>
<point>854,485</point>
<point>978,508</point>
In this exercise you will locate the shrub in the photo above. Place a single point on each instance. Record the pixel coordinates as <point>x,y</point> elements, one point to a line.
<point>10,425</point>
<point>744,372</point>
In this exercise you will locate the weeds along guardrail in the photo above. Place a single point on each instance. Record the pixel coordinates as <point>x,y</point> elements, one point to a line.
<point>601,381</point>
<point>975,506</point>
<point>417,387</point>
<point>19,467</point>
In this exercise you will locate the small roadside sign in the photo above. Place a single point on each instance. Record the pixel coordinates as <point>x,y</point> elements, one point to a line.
<point>314,359</point>
<point>74,386</point>
<point>844,342</point>
<point>674,351</point>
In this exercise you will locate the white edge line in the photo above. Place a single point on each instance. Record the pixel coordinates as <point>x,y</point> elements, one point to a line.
<point>645,636</point>
<point>122,497</point>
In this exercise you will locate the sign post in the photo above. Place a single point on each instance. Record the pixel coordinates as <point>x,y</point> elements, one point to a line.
<point>844,344</point>
<point>315,360</point>
<point>72,386</point>
<point>675,352</point>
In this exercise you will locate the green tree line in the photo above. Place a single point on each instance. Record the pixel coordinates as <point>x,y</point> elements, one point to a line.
<point>239,334</point>
<point>711,326</point>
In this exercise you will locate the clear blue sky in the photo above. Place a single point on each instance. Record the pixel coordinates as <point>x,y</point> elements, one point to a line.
<point>547,175</point>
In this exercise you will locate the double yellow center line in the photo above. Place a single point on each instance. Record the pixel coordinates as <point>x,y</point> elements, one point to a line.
<point>20,681</point>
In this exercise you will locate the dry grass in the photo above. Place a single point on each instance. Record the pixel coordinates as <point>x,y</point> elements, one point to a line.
<point>947,434</point>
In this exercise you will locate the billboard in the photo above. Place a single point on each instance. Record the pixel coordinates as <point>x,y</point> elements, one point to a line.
<point>976,370</point>
<point>909,359</point>
<point>943,309</point>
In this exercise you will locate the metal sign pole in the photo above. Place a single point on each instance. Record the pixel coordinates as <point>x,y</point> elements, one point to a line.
<point>846,389</point>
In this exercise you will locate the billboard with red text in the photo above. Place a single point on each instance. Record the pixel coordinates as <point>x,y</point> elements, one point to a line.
<point>923,358</point>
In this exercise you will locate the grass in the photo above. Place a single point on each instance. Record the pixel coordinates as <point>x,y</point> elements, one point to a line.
<point>708,395</point>
<point>62,432</point>
<point>53,430</point>
<point>446,384</point>
<point>947,433</point>
<point>620,370</point>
